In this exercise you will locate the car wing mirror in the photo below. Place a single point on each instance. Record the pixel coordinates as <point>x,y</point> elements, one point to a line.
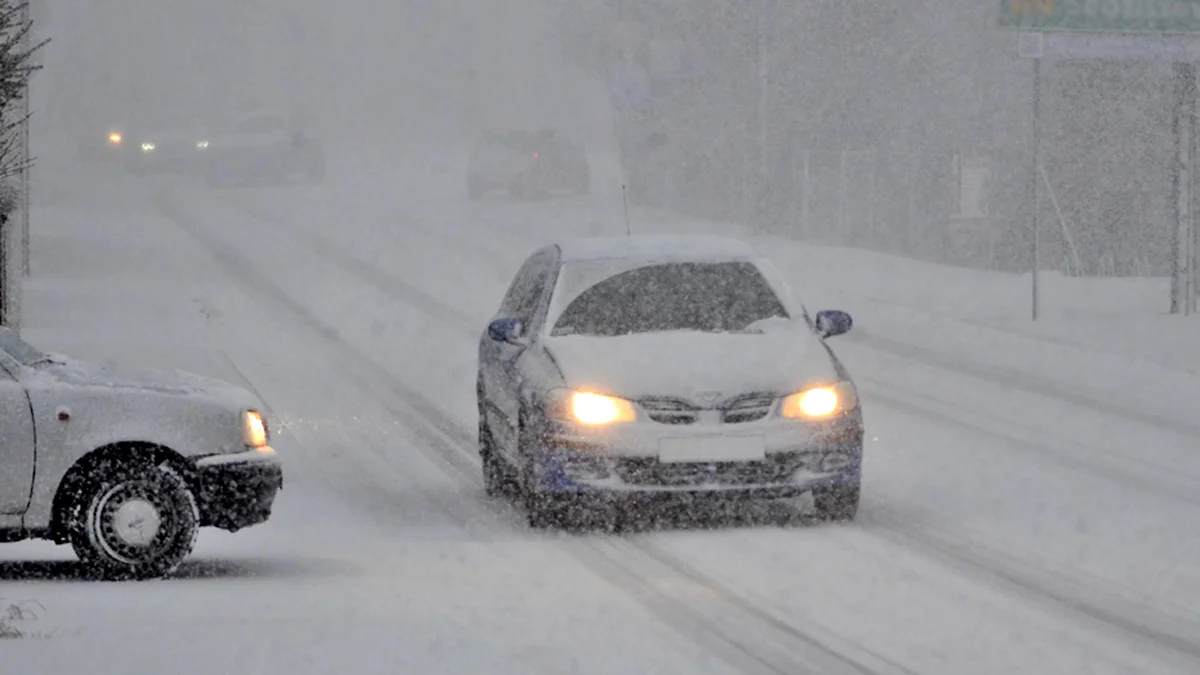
<point>509,331</point>
<point>831,322</point>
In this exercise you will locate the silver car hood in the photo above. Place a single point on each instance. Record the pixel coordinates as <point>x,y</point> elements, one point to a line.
<point>700,367</point>
<point>164,382</point>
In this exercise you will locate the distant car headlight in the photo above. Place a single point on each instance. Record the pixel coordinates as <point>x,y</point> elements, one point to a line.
<point>147,147</point>
<point>591,409</point>
<point>820,402</point>
<point>254,429</point>
<point>201,145</point>
<point>114,138</point>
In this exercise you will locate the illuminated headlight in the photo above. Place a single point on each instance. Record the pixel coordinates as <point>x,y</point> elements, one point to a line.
<point>821,402</point>
<point>114,138</point>
<point>147,147</point>
<point>589,408</point>
<point>254,429</point>
<point>201,145</point>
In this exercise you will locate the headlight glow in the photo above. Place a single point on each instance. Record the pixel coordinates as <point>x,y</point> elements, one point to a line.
<point>114,138</point>
<point>820,402</point>
<point>147,147</point>
<point>202,144</point>
<point>254,429</point>
<point>594,409</point>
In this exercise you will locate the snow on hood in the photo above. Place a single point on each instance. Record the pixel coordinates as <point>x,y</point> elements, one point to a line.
<point>782,359</point>
<point>170,383</point>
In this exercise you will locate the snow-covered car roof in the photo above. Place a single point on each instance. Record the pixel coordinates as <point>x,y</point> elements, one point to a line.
<point>658,247</point>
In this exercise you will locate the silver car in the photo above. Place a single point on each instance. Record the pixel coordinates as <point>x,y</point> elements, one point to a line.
<point>626,368</point>
<point>124,466</point>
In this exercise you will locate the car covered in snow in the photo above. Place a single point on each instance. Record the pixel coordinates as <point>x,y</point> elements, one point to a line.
<point>126,466</point>
<point>527,163</point>
<point>265,147</point>
<point>620,368</point>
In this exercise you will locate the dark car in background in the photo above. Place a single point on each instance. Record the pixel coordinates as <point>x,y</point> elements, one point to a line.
<point>266,147</point>
<point>527,164</point>
<point>168,144</point>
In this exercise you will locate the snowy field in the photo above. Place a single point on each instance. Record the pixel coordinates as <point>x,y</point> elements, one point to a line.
<point>1032,491</point>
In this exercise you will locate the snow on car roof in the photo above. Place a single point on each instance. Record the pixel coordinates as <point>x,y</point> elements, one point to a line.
<point>662,247</point>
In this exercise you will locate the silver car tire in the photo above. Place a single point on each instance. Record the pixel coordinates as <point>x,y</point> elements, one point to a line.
<point>133,520</point>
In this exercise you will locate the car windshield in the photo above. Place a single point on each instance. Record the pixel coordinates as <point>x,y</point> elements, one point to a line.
<point>678,296</point>
<point>25,353</point>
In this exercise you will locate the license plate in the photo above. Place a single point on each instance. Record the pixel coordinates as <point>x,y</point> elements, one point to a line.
<point>729,449</point>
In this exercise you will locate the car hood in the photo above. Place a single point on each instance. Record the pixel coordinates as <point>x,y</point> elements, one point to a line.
<point>700,367</point>
<point>162,382</point>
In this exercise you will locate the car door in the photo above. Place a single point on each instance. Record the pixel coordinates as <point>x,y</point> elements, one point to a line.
<point>17,449</point>
<point>504,359</point>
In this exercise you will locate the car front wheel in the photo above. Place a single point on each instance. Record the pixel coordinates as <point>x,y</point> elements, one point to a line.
<point>133,520</point>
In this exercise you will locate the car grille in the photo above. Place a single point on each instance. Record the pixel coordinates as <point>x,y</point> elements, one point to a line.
<point>670,411</point>
<point>747,408</point>
<point>775,469</point>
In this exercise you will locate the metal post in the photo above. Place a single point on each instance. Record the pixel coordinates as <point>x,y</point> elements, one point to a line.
<point>842,195</point>
<point>26,176</point>
<point>804,216</point>
<point>1033,182</point>
<point>1181,236</point>
<point>763,83</point>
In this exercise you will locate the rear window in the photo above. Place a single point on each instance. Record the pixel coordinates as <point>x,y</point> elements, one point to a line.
<point>678,296</point>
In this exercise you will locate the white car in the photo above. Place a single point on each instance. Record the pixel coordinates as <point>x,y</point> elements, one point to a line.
<point>126,467</point>
<point>623,368</point>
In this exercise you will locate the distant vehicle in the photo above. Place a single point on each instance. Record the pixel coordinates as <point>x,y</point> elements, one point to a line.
<point>645,367</point>
<point>527,164</point>
<point>267,147</point>
<point>102,144</point>
<point>127,467</point>
<point>169,144</point>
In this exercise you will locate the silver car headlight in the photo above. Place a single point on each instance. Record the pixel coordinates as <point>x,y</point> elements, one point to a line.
<point>589,408</point>
<point>254,429</point>
<point>821,402</point>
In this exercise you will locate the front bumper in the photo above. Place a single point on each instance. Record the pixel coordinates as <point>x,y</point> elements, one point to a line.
<point>798,458</point>
<point>237,490</point>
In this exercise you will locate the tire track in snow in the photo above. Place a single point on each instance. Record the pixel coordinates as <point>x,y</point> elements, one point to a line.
<point>1013,379</point>
<point>1149,626</point>
<point>732,628</point>
<point>1173,635</point>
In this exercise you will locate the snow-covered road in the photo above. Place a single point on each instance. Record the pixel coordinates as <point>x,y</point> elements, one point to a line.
<point>1014,520</point>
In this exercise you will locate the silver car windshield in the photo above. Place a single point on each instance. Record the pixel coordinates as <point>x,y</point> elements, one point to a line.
<point>25,353</point>
<point>728,296</point>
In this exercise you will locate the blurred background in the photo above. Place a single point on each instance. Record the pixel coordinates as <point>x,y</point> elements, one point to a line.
<point>898,127</point>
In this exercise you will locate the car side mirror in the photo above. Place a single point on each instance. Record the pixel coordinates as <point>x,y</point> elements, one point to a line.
<point>831,322</point>
<point>506,330</point>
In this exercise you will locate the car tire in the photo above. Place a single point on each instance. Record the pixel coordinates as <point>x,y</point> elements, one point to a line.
<point>497,477</point>
<point>543,510</point>
<point>837,503</point>
<point>119,494</point>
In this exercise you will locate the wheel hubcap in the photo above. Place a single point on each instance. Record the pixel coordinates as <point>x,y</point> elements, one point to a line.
<point>133,525</point>
<point>136,522</point>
